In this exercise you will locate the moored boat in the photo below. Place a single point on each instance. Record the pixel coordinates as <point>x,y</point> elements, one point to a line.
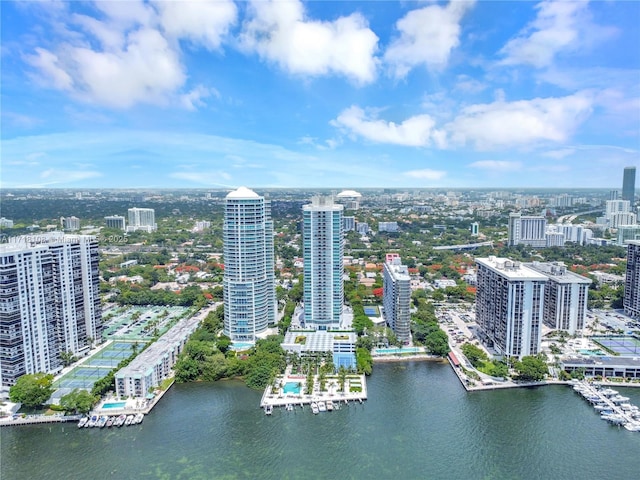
<point>128,420</point>
<point>110,421</point>
<point>314,408</point>
<point>83,421</point>
<point>322,406</point>
<point>102,421</point>
<point>268,409</point>
<point>329,406</point>
<point>120,421</point>
<point>139,418</point>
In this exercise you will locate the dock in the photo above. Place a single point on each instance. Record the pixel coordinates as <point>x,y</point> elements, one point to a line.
<point>613,407</point>
<point>355,390</point>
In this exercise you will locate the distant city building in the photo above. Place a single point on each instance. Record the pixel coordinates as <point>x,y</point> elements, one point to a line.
<point>143,219</point>
<point>350,199</point>
<point>565,297</point>
<point>617,219</point>
<point>390,227</point>
<point>554,239</point>
<point>201,226</point>
<point>349,223</point>
<point>248,282</point>
<point>49,302</point>
<point>115,222</point>
<point>613,195</point>
<point>509,306</point>
<point>527,230</point>
<point>632,280</point>
<point>626,233</point>
<point>396,297</point>
<point>323,251</point>
<point>362,228</point>
<point>629,185</point>
<point>70,223</point>
<point>6,223</point>
<point>475,229</point>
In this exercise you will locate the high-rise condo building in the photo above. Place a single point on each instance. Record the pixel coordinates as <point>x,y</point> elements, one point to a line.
<point>632,281</point>
<point>475,229</point>
<point>248,282</point>
<point>527,230</point>
<point>629,184</point>
<point>49,302</point>
<point>509,306</point>
<point>323,251</point>
<point>115,221</point>
<point>396,297</point>
<point>565,297</point>
<point>70,223</point>
<point>142,219</point>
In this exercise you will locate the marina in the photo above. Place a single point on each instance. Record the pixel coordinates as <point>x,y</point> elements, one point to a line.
<point>290,391</point>
<point>612,407</point>
<point>102,421</point>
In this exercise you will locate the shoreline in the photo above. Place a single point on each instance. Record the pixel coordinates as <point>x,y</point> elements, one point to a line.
<point>407,358</point>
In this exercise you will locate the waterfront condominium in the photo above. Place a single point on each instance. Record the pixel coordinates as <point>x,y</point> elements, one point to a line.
<point>527,230</point>
<point>632,280</point>
<point>565,297</point>
<point>396,297</point>
<point>323,251</point>
<point>142,219</point>
<point>509,306</point>
<point>248,282</point>
<point>629,184</point>
<point>49,302</point>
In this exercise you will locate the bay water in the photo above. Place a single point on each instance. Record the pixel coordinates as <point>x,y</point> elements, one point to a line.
<point>419,423</point>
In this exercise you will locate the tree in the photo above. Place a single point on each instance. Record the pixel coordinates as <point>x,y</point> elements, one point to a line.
<point>78,401</point>
<point>223,343</point>
<point>364,361</point>
<point>32,390</point>
<point>67,358</point>
<point>531,368</point>
<point>437,343</point>
<point>474,354</point>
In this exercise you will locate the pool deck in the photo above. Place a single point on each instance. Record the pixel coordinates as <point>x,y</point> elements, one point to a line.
<point>281,399</point>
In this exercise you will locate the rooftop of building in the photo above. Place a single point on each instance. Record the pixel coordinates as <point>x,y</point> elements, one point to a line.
<point>510,269</point>
<point>317,340</point>
<point>558,272</point>
<point>243,193</point>
<point>602,360</point>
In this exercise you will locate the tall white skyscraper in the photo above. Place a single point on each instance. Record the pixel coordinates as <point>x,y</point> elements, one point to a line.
<point>396,297</point>
<point>565,297</point>
<point>49,302</point>
<point>248,283</point>
<point>142,219</point>
<point>631,300</point>
<point>527,230</point>
<point>323,251</point>
<point>509,306</point>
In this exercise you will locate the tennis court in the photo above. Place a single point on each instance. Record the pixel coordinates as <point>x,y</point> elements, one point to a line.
<point>371,311</point>
<point>625,346</point>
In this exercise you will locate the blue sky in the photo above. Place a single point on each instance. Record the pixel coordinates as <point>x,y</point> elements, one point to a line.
<point>212,94</point>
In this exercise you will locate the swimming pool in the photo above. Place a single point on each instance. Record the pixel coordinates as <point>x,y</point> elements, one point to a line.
<point>592,352</point>
<point>114,405</point>
<point>239,346</point>
<point>392,351</point>
<point>292,387</point>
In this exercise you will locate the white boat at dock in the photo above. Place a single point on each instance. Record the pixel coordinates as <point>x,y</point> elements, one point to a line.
<point>83,421</point>
<point>314,408</point>
<point>322,406</point>
<point>102,422</point>
<point>268,409</point>
<point>129,419</point>
<point>329,405</point>
<point>139,418</point>
<point>120,421</point>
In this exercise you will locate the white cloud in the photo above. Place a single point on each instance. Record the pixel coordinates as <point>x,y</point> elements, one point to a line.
<point>559,154</point>
<point>520,123</point>
<point>279,32</point>
<point>129,53</point>
<point>497,165</point>
<point>467,84</point>
<point>204,177</point>
<point>558,27</point>
<point>194,98</point>
<point>203,22</point>
<point>426,174</point>
<point>416,131</point>
<point>427,36</point>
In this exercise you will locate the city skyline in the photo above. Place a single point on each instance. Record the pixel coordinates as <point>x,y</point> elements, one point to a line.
<point>319,94</point>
